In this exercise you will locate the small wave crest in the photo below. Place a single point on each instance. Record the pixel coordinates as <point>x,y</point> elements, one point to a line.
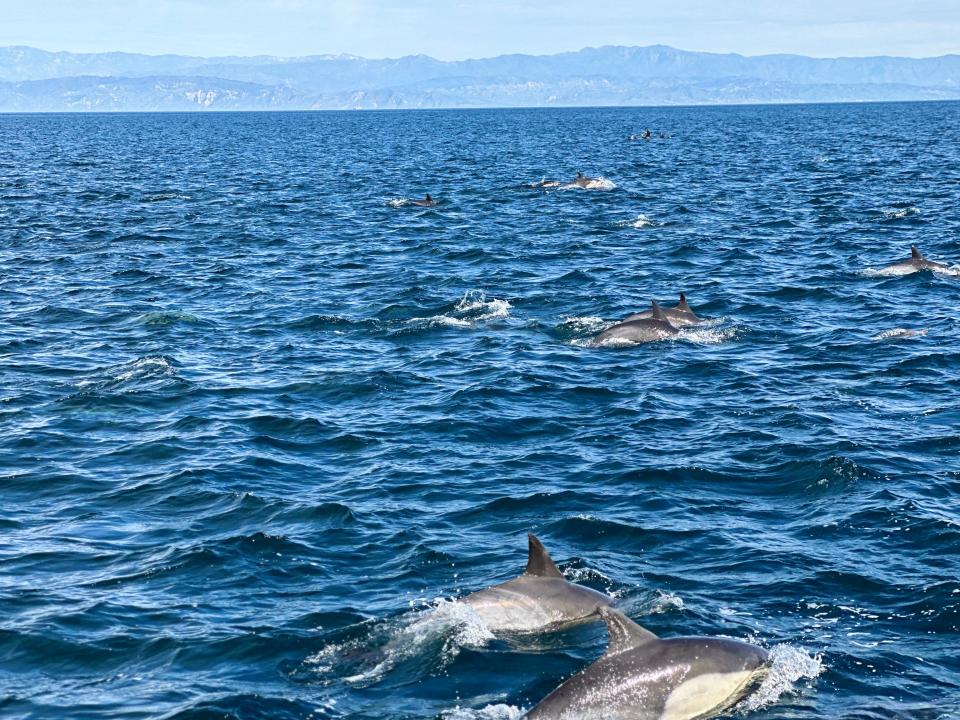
<point>900,213</point>
<point>640,222</point>
<point>899,334</point>
<point>472,308</point>
<point>788,665</point>
<point>142,371</point>
<point>163,195</point>
<point>432,635</point>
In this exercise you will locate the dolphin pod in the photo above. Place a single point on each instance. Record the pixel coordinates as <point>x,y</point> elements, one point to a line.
<point>679,316</point>
<point>656,326</point>
<point>641,677</point>
<point>540,598</point>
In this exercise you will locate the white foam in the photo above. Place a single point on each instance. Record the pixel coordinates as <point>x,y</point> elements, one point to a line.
<point>451,624</point>
<point>706,335</point>
<point>640,222</point>
<point>472,308</point>
<point>399,202</point>
<point>905,269</point>
<point>892,271</point>
<point>474,303</point>
<point>598,183</point>
<point>664,602</point>
<point>439,321</point>
<point>789,664</point>
<point>899,333</point>
<point>900,213</point>
<point>490,712</point>
<point>139,369</point>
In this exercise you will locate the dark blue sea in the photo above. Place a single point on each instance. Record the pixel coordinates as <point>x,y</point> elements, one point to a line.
<point>261,419</point>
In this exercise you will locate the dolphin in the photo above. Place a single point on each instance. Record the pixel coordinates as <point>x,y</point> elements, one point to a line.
<point>539,599</point>
<point>679,316</point>
<point>545,184</point>
<point>915,263</point>
<point>656,326</point>
<point>642,677</point>
<point>582,180</point>
<point>426,202</point>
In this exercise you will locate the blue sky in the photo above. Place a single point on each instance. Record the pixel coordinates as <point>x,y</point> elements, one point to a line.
<point>449,29</point>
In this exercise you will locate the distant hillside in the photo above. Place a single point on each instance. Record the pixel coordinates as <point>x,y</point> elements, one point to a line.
<point>34,80</point>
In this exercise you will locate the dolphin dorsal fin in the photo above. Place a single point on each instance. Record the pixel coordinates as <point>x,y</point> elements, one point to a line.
<point>915,254</point>
<point>658,313</point>
<point>539,562</point>
<point>624,633</point>
<point>683,303</point>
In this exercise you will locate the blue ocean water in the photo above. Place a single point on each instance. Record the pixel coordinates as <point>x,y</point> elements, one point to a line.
<point>260,419</point>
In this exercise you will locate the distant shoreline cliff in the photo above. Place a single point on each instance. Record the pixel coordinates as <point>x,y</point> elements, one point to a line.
<point>38,81</point>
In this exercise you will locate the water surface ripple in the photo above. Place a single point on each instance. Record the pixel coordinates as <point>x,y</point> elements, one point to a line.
<point>258,418</point>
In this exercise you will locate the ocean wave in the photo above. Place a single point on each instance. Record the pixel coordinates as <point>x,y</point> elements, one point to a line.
<point>142,373</point>
<point>168,317</point>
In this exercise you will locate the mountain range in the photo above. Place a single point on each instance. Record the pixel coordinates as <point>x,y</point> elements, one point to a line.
<point>34,80</point>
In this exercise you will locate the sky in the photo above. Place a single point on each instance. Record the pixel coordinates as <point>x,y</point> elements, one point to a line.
<point>452,30</point>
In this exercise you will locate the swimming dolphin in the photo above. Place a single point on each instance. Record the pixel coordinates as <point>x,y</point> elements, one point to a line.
<point>915,263</point>
<point>546,184</point>
<point>679,316</point>
<point>583,181</point>
<point>642,677</point>
<point>538,599</point>
<point>656,326</point>
<point>426,202</point>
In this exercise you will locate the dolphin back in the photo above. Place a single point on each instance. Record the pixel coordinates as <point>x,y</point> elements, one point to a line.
<point>642,677</point>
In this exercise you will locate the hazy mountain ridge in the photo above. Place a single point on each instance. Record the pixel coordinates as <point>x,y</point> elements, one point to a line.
<point>35,80</point>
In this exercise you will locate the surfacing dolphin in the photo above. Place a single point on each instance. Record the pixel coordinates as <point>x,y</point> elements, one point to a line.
<point>545,184</point>
<point>583,181</point>
<point>642,677</point>
<point>679,316</point>
<point>654,327</point>
<point>425,202</point>
<point>541,598</point>
<point>915,263</point>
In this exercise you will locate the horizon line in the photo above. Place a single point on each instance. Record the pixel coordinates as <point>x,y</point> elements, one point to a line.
<point>350,56</point>
<point>207,111</point>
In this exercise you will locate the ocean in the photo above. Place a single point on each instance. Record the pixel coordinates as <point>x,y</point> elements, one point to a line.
<point>262,419</point>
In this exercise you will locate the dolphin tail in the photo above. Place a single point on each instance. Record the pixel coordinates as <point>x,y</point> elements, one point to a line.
<point>624,633</point>
<point>539,562</point>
